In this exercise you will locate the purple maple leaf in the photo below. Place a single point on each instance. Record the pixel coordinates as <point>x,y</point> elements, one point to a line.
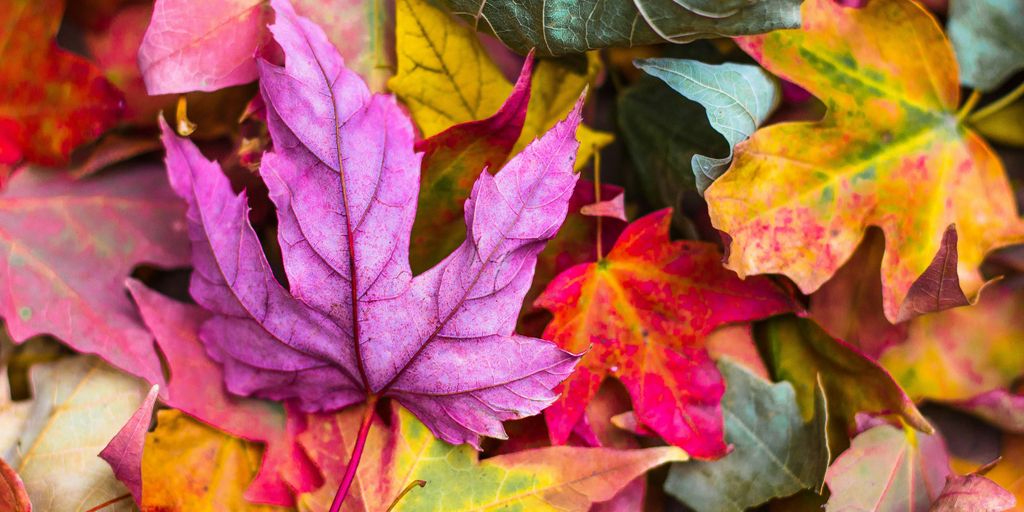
<point>356,324</point>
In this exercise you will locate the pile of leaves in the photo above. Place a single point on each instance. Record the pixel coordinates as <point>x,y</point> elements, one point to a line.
<point>445,255</point>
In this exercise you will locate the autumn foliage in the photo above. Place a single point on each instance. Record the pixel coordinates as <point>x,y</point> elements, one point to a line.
<point>455,255</point>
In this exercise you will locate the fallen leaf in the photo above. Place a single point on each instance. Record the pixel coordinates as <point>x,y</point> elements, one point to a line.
<point>972,493</point>
<point>124,451</point>
<point>67,248</point>
<point>775,454</point>
<point>210,45</point>
<point>557,478</point>
<point>1009,471</point>
<point>576,27</point>
<point>190,467</point>
<point>13,497</point>
<point>452,161</point>
<point>849,305</point>
<point>196,388</point>
<point>1004,126</point>
<point>988,36</point>
<point>643,313</point>
<point>890,153</point>
<point>51,100</point>
<point>798,350</point>
<point>888,469</point>
<point>737,99</point>
<point>79,406</point>
<point>340,150</point>
<point>446,77</point>
<point>960,353</point>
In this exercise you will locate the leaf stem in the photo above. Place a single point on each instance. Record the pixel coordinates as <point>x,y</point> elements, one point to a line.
<point>415,483</point>
<point>357,453</point>
<point>597,197</point>
<point>972,100</point>
<point>108,503</point>
<point>997,105</point>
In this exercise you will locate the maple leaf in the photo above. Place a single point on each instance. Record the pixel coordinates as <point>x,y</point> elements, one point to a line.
<point>644,311</point>
<point>775,453</point>
<point>355,323</point>
<point>196,388</point>
<point>960,353</point>
<point>210,45</point>
<point>557,478</point>
<point>67,248</point>
<point>190,467</point>
<point>886,468</point>
<point>800,352</point>
<point>55,456</point>
<point>50,100</point>
<point>575,27</point>
<point>890,152</point>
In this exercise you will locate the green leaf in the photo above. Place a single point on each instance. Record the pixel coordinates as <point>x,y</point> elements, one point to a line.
<point>798,350</point>
<point>775,453</point>
<point>561,27</point>
<point>988,36</point>
<point>737,98</point>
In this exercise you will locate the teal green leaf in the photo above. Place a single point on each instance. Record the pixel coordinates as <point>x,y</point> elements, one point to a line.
<point>561,27</point>
<point>736,97</point>
<point>988,36</point>
<point>775,453</point>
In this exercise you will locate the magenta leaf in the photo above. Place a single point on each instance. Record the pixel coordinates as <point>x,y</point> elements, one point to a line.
<point>124,451</point>
<point>356,323</point>
<point>66,247</point>
<point>196,387</point>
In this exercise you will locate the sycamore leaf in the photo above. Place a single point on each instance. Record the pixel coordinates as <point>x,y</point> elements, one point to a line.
<point>67,247</point>
<point>50,99</point>
<point>355,322</point>
<point>887,469</point>
<point>543,479</point>
<point>775,454</point>
<point>452,161</point>
<point>889,153</point>
<point>80,404</point>
<point>972,493</point>
<point>643,312</point>
<point>446,77</point>
<point>574,26</point>
<point>960,353</point>
<point>799,351</point>
<point>124,451</point>
<point>196,387</point>
<point>988,36</point>
<point>210,45</point>
<point>737,98</point>
<point>190,467</point>
<point>13,497</point>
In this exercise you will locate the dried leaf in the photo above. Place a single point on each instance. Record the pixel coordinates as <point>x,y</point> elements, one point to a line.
<point>124,451</point>
<point>972,493</point>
